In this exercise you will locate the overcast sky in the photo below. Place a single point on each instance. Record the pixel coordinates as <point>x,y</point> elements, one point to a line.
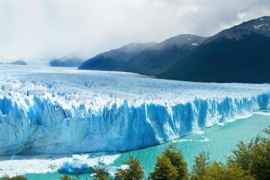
<point>45,29</point>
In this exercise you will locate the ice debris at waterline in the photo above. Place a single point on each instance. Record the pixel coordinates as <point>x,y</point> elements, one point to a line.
<point>77,165</point>
<point>49,111</point>
<point>38,164</point>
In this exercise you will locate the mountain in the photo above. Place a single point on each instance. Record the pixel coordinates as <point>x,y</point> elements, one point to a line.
<point>237,54</point>
<point>158,58</point>
<point>67,61</point>
<point>116,59</point>
<point>149,58</point>
<point>136,47</point>
<point>19,62</point>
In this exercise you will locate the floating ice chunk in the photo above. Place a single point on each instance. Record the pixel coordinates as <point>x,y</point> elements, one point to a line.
<point>73,168</point>
<point>204,140</point>
<point>182,140</point>
<point>221,124</point>
<point>76,166</point>
<point>19,165</point>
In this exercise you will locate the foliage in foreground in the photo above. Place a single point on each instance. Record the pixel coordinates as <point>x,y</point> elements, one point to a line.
<point>254,156</point>
<point>204,169</point>
<point>100,172</point>
<point>133,172</point>
<point>170,165</point>
<point>250,161</point>
<point>14,178</point>
<point>164,169</point>
<point>66,177</point>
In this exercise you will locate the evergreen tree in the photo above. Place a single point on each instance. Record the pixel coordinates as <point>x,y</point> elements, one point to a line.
<point>133,172</point>
<point>164,169</point>
<point>203,169</point>
<point>14,178</point>
<point>100,172</point>
<point>219,171</point>
<point>177,160</point>
<point>201,162</point>
<point>65,177</point>
<point>254,156</point>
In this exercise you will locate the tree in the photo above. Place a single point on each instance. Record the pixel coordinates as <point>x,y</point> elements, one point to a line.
<point>177,160</point>
<point>254,156</point>
<point>100,172</point>
<point>164,169</point>
<point>201,162</point>
<point>204,169</point>
<point>13,178</point>
<point>65,177</point>
<point>219,171</point>
<point>133,172</point>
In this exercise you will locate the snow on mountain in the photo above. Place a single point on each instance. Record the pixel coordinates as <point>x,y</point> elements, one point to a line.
<point>19,62</point>
<point>258,26</point>
<point>67,61</point>
<point>179,40</point>
<point>69,111</point>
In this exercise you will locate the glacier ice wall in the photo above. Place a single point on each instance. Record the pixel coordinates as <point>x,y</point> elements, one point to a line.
<point>70,112</point>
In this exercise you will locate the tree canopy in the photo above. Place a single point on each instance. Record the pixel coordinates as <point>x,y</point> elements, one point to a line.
<point>133,172</point>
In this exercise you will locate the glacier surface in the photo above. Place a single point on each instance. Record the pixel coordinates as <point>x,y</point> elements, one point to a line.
<point>56,110</point>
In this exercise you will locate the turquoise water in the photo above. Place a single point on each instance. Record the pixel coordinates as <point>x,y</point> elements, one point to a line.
<point>219,140</point>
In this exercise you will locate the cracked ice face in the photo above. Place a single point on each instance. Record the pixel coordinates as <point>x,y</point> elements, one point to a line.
<point>48,111</point>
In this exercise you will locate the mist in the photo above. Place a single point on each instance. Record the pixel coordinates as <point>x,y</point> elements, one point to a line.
<point>39,30</point>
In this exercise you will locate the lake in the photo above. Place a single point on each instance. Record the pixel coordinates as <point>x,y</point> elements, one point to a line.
<point>218,140</point>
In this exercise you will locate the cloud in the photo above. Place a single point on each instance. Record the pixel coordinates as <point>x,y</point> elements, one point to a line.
<point>44,29</point>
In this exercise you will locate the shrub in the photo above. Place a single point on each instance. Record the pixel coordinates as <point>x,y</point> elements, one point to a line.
<point>254,156</point>
<point>13,178</point>
<point>164,169</point>
<point>133,172</point>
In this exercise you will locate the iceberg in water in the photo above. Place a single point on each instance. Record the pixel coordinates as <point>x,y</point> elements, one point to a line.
<point>55,111</point>
<point>76,166</point>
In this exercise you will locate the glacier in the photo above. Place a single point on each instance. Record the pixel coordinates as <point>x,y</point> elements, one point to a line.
<point>62,110</point>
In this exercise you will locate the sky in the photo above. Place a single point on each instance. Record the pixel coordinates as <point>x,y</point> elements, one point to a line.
<point>40,30</point>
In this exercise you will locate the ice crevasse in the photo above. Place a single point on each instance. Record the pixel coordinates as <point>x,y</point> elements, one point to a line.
<point>91,112</point>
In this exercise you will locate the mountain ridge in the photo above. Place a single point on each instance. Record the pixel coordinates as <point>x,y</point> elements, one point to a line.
<point>66,61</point>
<point>236,54</point>
<point>148,58</point>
